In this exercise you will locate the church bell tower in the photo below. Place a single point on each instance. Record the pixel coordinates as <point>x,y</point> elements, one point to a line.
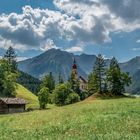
<point>74,69</point>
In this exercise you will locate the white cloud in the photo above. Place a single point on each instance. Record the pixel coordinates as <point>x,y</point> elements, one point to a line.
<point>123,15</point>
<point>75,49</point>
<point>32,28</point>
<point>138,41</point>
<point>86,21</point>
<point>49,44</point>
<point>135,49</point>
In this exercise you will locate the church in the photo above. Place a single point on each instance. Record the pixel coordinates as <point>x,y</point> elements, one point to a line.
<point>82,81</point>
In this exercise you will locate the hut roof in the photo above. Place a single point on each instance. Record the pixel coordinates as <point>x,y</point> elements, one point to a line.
<point>13,101</point>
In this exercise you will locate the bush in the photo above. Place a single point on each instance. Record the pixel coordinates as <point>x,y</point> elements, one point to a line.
<point>61,93</point>
<point>72,98</point>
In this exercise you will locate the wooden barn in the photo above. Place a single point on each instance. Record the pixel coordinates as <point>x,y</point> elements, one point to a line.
<point>12,105</point>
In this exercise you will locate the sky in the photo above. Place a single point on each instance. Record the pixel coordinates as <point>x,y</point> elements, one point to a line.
<point>109,27</point>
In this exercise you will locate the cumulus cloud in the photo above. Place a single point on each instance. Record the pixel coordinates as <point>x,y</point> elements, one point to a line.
<point>124,15</point>
<point>81,21</point>
<point>77,48</point>
<point>138,41</point>
<point>32,28</point>
<point>129,10</point>
<point>49,44</point>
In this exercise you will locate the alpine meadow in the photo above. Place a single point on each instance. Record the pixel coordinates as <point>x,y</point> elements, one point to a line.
<point>70,70</point>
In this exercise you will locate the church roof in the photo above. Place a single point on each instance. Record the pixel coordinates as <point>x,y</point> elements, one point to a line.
<point>80,77</point>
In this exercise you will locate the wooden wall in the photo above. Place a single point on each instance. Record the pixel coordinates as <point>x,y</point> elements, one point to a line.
<point>11,108</point>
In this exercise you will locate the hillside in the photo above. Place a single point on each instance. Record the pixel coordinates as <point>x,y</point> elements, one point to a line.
<point>24,93</point>
<point>29,82</point>
<point>112,119</point>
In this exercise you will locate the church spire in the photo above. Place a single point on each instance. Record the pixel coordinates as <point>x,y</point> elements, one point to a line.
<point>74,64</point>
<point>74,68</point>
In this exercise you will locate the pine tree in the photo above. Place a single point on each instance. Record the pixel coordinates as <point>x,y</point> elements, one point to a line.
<point>92,84</point>
<point>10,57</point>
<point>117,80</point>
<point>98,75</point>
<point>49,82</point>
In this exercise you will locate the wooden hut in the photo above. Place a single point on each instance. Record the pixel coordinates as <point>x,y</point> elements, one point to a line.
<point>12,105</point>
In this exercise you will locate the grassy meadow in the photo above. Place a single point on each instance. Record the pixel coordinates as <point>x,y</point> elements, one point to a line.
<point>92,119</point>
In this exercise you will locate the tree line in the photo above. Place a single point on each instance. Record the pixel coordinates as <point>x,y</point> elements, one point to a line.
<point>103,80</point>
<point>63,93</point>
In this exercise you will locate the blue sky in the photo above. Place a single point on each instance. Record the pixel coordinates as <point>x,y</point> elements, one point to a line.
<point>77,26</point>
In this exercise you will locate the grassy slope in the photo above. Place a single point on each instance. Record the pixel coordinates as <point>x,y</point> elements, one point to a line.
<point>24,93</point>
<point>114,119</point>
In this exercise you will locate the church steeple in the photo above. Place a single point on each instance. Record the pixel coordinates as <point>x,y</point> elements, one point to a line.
<point>74,68</point>
<point>74,64</point>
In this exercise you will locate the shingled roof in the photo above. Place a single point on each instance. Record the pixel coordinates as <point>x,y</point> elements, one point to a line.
<point>13,101</point>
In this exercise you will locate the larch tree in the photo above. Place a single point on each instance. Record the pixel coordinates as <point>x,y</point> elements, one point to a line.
<point>96,79</point>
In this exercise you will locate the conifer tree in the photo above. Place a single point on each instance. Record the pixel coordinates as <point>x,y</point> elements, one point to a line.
<point>92,83</point>
<point>10,57</point>
<point>96,80</point>
<point>49,82</point>
<point>117,80</point>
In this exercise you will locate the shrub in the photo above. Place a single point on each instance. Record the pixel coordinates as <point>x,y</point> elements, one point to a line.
<point>61,93</point>
<point>72,98</point>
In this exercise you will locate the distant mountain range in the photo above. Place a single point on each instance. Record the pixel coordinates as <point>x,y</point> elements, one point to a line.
<point>60,62</point>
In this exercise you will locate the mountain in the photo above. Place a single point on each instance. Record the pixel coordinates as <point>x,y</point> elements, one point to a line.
<point>131,66</point>
<point>134,88</point>
<point>57,61</point>
<point>86,62</point>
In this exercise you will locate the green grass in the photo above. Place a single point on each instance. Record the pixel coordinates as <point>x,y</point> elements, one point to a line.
<point>24,93</point>
<point>93,119</point>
